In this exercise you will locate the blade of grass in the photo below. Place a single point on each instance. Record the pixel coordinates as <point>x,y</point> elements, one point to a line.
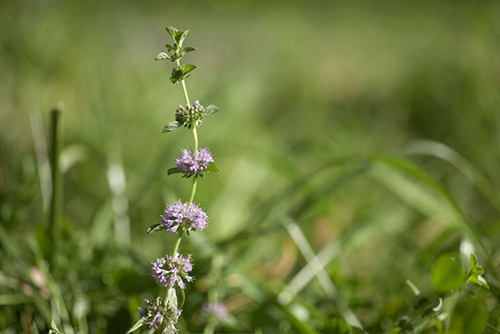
<point>410,169</point>
<point>324,279</point>
<point>56,196</point>
<point>441,151</point>
<point>42,160</point>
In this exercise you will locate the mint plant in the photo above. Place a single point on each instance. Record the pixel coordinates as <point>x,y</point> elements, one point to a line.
<point>172,270</point>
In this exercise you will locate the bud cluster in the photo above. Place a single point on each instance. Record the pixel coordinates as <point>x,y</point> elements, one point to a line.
<point>191,115</point>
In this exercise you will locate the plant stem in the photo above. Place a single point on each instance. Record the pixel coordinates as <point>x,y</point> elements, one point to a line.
<point>195,138</point>
<point>178,243</point>
<point>183,83</point>
<point>195,179</point>
<point>193,190</point>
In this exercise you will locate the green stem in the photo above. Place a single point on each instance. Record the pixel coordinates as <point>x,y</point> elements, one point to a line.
<point>210,328</point>
<point>183,83</point>
<point>193,190</point>
<point>178,243</point>
<point>195,138</point>
<point>195,179</point>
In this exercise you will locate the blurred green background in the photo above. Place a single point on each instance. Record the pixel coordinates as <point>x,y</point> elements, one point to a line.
<point>366,132</point>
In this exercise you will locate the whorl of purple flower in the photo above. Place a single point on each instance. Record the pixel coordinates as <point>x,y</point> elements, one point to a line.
<point>157,313</point>
<point>181,215</point>
<point>217,309</point>
<point>169,270</point>
<point>194,164</point>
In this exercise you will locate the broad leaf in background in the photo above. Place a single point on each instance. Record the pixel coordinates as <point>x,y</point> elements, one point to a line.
<point>446,274</point>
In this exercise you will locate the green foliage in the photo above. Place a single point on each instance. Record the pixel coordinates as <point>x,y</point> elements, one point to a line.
<point>174,125</point>
<point>446,274</point>
<point>136,326</point>
<point>339,326</point>
<point>211,109</point>
<point>475,272</point>
<point>469,316</point>
<point>181,72</point>
<point>54,329</point>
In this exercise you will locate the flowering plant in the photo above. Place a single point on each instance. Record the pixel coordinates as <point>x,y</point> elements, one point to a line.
<point>172,271</point>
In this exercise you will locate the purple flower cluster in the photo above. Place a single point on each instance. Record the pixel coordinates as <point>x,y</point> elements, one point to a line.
<point>183,215</point>
<point>172,269</point>
<point>218,310</point>
<point>156,312</point>
<point>192,164</point>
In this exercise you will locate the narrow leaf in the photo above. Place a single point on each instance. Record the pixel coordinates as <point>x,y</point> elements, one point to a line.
<point>172,125</point>
<point>154,228</point>
<point>188,68</point>
<point>211,109</point>
<point>136,326</point>
<point>479,280</point>
<point>188,49</point>
<point>212,168</point>
<point>174,170</point>
<point>169,47</point>
<point>162,56</point>
<point>180,36</point>
<point>173,80</point>
<point>171,31</point>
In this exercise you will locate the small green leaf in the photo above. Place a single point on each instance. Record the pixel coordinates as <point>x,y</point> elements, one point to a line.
<point>136,326</point>
<point>188,68</point>
<point>211,109</point>
<point>174,125</point>
<point>174,170</point>
<point>446,274</point>
<point>212,168</point>
<point>474,273</point>
<point>179,37</point>
<point>171,31</point>
<point>479,280</point>
<point>187,49</point>
<point>473,261</point>
<point>173,80</point>
<point>169,47</point>
<point>162,56</point>
<point>172,297</point>
<point>155,228</point>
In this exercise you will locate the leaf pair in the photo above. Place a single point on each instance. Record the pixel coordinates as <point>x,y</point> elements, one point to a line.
<point>211,168</point>
<point>475,272</point>
<point>177,51</point>
<point>181,72</point>
<point>174,125</point>
<point>178,36</point>
<point>447,274</point>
